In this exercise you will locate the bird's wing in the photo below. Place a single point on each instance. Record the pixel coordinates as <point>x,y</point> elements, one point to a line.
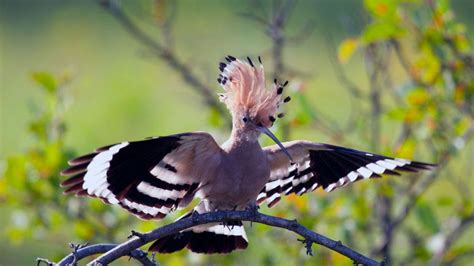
<point>327,166</point>
<point>149,178</point>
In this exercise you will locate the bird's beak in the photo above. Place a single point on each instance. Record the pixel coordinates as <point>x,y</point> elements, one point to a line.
<point>267,132</point>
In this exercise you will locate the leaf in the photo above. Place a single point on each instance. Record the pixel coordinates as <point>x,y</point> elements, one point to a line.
<point>380,31</point>
<point>381,8</point>
<point>427,217</point>
<point>413,114</point>
<point>407,149</point>
<point>347,49</point>
<point>445,201</point>
<point>46,80</point>
<point>418,96</point>
<point>397,114</point>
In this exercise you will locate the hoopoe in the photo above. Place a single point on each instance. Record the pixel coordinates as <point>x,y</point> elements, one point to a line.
<point>153,177</point>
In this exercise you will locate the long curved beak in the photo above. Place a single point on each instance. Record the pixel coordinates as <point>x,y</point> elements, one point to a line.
<point>267,132</point>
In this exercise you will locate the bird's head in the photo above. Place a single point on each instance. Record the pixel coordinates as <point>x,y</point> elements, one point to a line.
<point>253,107</point>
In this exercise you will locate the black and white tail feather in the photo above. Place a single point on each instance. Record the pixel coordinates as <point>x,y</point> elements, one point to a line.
<point>208,238</point>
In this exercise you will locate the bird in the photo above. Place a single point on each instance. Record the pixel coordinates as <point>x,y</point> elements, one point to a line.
<point>153,177</point>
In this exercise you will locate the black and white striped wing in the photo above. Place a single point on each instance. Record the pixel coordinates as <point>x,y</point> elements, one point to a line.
<point>149,178</point>
<point>327,166</point>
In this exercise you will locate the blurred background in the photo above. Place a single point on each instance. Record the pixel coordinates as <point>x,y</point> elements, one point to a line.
<point>387,76</point>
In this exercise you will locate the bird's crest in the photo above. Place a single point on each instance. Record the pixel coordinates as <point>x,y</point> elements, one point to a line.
<point>245,91</point>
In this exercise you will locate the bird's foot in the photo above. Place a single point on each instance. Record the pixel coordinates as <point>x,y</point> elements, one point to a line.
<point>195,216</point>
<point>253,207</point>
<point>135,233</point>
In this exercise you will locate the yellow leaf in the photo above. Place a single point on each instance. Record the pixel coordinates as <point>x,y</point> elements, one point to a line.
<point>418,96</point>
<point>347,49</point>
<point>413,115</point>
<point>407,149</point>
<point>299,202</point>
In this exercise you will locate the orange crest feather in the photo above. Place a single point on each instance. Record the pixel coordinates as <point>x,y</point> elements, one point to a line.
<point>245,91</point>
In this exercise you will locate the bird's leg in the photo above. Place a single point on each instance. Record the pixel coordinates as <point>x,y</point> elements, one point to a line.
<point>253,209</point>
<point>195,216</point>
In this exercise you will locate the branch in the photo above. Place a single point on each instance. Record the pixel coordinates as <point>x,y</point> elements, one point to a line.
<point>424,184</point>
<point>222,216</point>
<point>339,71</point>
<point>451,238</point>
<point>87,251</point>
<point>165,54</point>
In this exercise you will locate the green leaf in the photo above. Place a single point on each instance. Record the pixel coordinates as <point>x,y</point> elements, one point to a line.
<point>380,31</point>
<point>427,217</point>
<point>397,114</point>
<point>381,8</point>
<point>347,49</point>
<point>46,80</point>
<point>445,201</point>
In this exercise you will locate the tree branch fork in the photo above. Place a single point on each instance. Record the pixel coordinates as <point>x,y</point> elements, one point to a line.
<point>112,252</point>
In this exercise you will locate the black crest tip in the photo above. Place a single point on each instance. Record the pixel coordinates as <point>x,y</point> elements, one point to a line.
<point>280,115</point>
<point>287,99</point>
<point>260,60</point>
<point>250,61</point>
<point>280,90</point>
<point>222,66</point>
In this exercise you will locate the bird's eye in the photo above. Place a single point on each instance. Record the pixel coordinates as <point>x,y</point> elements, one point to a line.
<point>245,119</point>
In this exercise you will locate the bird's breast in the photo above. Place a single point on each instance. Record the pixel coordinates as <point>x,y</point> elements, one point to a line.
<point>240,177</point>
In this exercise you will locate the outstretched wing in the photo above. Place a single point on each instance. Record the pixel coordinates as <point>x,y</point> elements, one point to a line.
<point>149,178</point>
<point>327,166</point>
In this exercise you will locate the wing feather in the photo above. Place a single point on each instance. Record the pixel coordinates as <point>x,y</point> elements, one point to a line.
<point>149,178</point>
<point>327,166</point>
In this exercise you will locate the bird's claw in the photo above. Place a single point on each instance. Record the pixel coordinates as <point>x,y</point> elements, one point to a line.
<point>253,207</point>
<point>195,217</point>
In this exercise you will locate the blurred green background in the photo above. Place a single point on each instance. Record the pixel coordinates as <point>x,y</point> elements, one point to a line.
<point>115,89</point>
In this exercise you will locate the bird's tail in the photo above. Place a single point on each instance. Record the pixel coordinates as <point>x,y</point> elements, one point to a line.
<point>208,238</point>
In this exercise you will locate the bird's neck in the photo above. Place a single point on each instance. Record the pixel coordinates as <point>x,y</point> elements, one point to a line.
<point>241,138</point>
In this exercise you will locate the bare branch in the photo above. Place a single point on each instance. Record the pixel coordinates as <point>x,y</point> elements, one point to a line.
<point>165,54</point>
<point>87,251</point>
<point>451,238</point>
<point>221,216</point>
<point>423,185</point>
<point>341,75</point>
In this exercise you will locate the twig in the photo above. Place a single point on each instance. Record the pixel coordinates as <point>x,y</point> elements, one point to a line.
<point>423,185</point>
<point>45,261</point>
<point>451,238</point>
<point>222,216</point>
<point>341,75</point>
<point>165,54</point>
<point>102,248</point>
